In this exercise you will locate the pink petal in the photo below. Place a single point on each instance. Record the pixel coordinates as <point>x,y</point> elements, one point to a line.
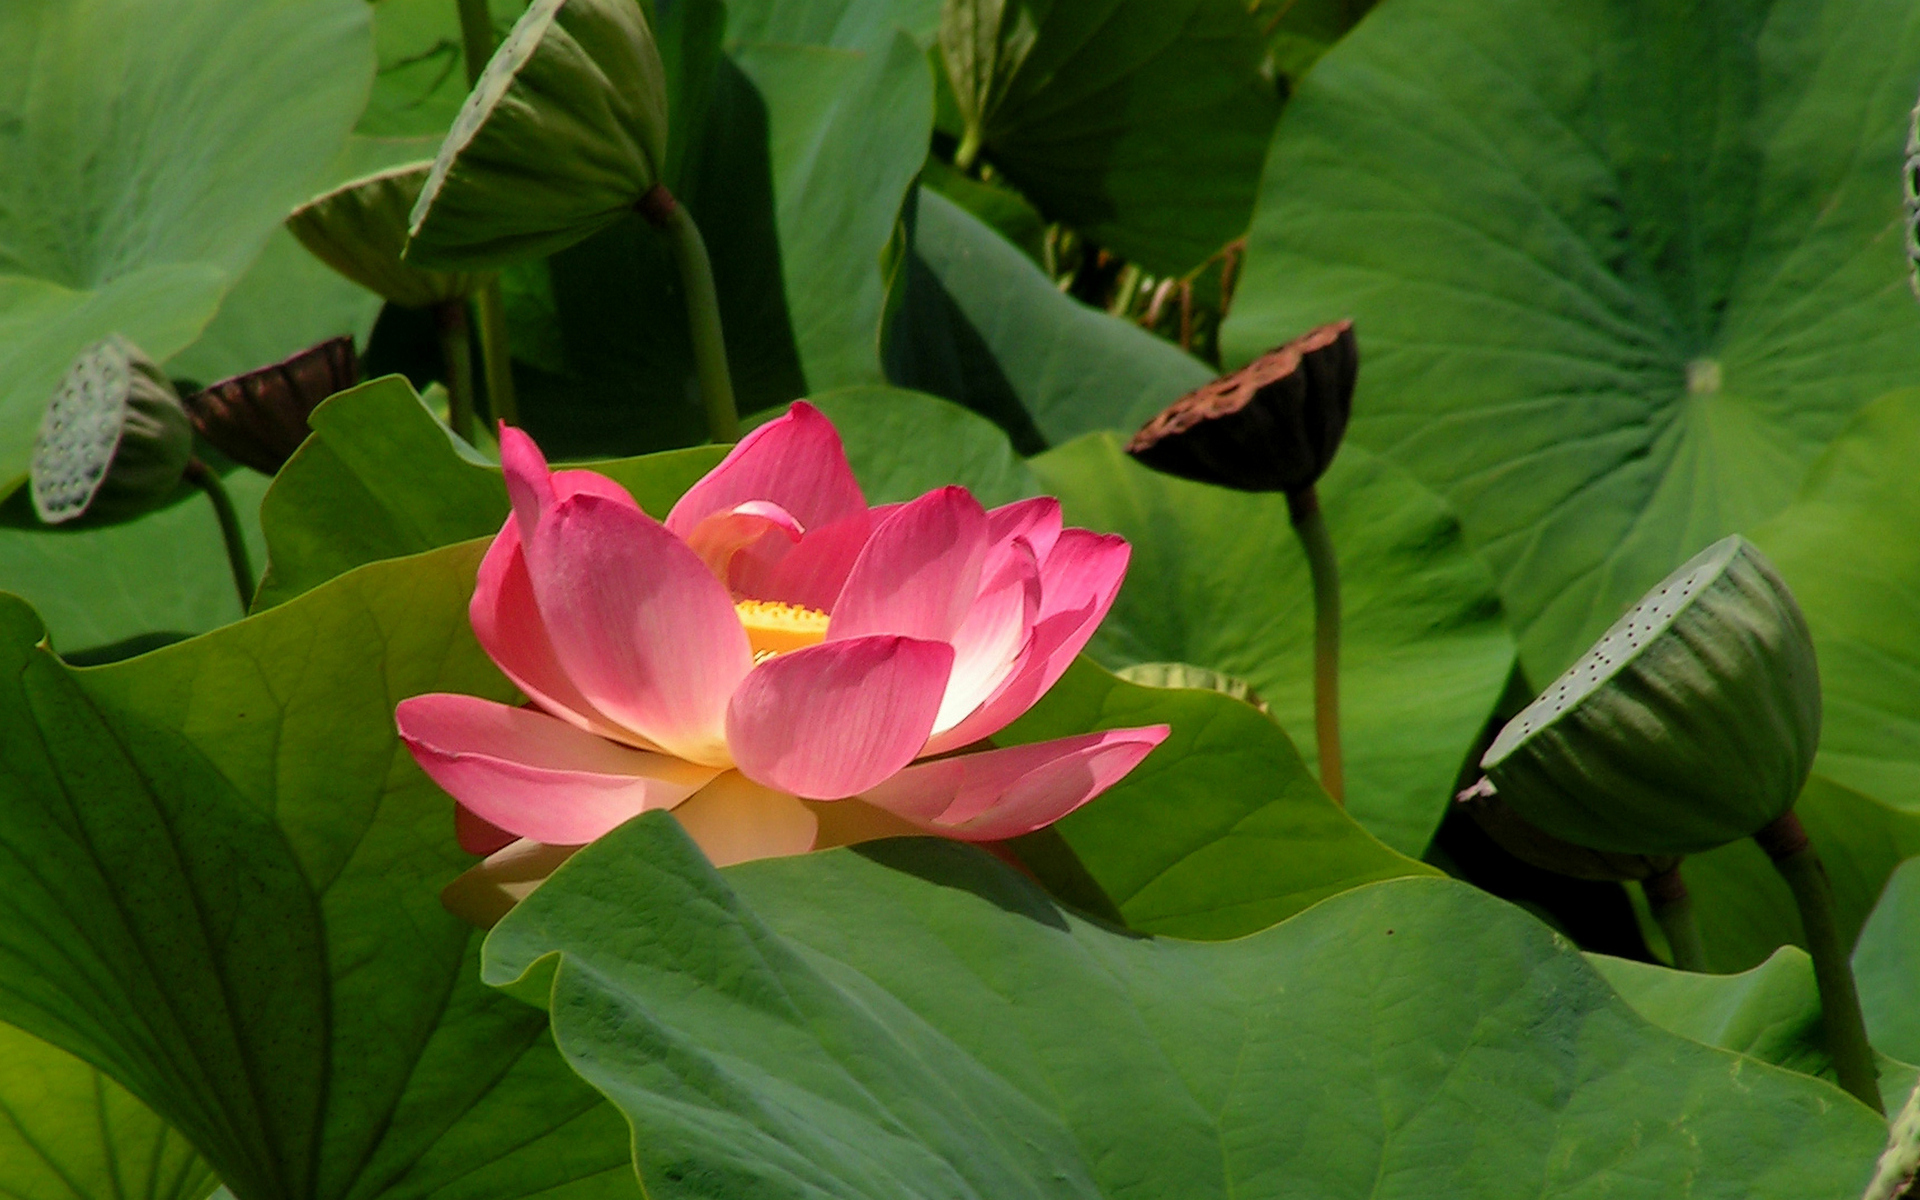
<point>506,620</point>
<point>720,536</point>
<point>839,717</point>
<point>809,573</point>
<point>795,461</point>
<point>535,776</point>
<point>529,482</point>
<point>1037,520</point>
<point>1004,793</point>
<point>919,573</point>
<point>638,624</point>
<point>735,820</point>
<point>1078,582</point>
<point>997,629</point>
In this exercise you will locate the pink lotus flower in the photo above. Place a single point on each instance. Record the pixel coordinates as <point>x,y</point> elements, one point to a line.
<point>781,665</point>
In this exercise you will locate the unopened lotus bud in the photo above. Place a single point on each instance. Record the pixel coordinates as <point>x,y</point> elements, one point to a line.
<point>1535,846</point>
<point>562,136</point>
<point>260,418</point>
<point>1690,724</point>
<point>360,230</point>
<point>1272,426</point>
<point>115,441</point>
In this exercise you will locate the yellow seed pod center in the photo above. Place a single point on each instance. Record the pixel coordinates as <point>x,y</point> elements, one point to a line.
<point>775,628</point>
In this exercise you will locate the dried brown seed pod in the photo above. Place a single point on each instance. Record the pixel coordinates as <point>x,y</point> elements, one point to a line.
<point>260,418</point>
<point>1272,426</point>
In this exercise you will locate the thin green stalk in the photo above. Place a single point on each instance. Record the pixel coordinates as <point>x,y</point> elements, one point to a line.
<point>1304,506</point>
<point>203,477</point>
<point>476,36</point>
<point>703,320</point>
<point>1785,842</point>
<point>456,353</point>
<point>1673,912</point>
<point>496,362</point>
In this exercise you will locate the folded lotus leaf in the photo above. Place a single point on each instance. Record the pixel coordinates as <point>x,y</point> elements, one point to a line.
<point>565,131</point>
<point>114,440</point>
<point>360,230</point>
<point>1692,723</point>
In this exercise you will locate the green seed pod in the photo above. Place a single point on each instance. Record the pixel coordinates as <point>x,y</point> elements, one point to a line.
<point>114,442</point>
<point>1536,847</point>
<point>360,230</point>
<point>1692,723</point>
<point>564,133</point>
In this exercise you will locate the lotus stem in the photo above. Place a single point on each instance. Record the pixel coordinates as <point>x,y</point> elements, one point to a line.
<point>496,360</point>
<point>476,36</point>
<point>1304,507</point>
<point>1673,912</point>
<point>1785,842</point>
<point>456,353</point>
<point>207,480</point>
<point>703,309</point>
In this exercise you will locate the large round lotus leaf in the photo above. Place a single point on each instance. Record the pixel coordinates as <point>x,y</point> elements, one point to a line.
<point>1141,122</point>
<point>115,440</point>
<point>1690,724</point>
<point>217,886</point>
<point>1620,269</point>
<point>133,191</point>
<point>565,131</point>
<point>360,230</point>
<point>915,1021</point>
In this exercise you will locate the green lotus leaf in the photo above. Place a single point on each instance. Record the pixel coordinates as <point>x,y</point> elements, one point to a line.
<point>916,1020</point>
<point>115,440</point>
<point>1842,545</point>
<point>1613,301</point>
<point>1218,579</point>
<point>1886,961</point>
<point>220,878</point>
<point>1222,832</point>
<point>1743,907</point>
<point>134,192</point>
<point>1770,1012</point>
<point>382,478</point>
<point>972,319</point>
<point>1141,122</point>
<point>564,133</point>
<point>68,1132</point>
<point>840,24</point>
<point>360,230</point>
<point>1690,724</point>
